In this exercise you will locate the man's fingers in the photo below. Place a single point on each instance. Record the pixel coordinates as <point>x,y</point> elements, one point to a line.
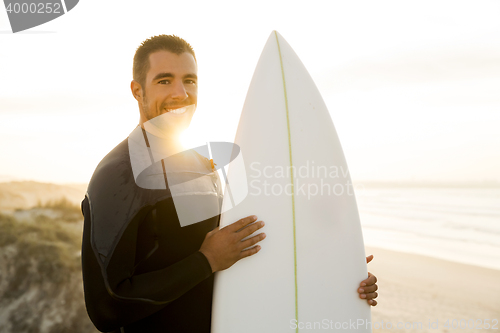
<point>369,258</point>
<point>250,229</point>
<point>372,279</point>
<point>242,223</point>
<point>249,252</point>
<point>369,295</point>
<point>368,289</point>
<point>252,240</point>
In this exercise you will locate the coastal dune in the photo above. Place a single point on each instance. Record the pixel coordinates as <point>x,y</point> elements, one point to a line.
<point>28,194</point>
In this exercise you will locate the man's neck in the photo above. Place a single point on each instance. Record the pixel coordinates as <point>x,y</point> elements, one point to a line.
<point>170,142</point>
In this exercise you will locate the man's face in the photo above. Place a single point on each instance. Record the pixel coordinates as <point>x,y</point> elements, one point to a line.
<point>171,83</point>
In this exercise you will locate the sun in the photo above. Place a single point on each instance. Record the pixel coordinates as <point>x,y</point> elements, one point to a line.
<point>189,138</point>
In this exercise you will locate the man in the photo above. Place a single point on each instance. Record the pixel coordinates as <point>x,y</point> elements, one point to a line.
<point>143,270</point>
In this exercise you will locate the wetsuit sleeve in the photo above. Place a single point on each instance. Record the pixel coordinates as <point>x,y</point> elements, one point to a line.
<point>160,286</point>
<point>127,297</point>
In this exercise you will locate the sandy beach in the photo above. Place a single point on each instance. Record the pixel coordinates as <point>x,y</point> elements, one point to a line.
<point>432,295</point>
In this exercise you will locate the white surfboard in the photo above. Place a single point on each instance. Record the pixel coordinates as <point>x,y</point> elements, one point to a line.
<point>305,277</point>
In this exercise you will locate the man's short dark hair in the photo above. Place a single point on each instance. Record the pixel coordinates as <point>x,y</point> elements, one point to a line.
<point>169,43</point>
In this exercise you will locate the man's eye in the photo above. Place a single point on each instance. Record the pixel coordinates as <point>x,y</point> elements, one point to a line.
<point>190,81</point>
<point>164,82</point>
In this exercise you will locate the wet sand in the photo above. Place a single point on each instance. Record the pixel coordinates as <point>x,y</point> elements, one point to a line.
<point>433,295</point>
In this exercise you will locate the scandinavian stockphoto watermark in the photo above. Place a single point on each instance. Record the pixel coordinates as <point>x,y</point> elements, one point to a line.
<point>426,325</point>
<point>192,181</point>
<point>309,180</point>
<point>26,14</point>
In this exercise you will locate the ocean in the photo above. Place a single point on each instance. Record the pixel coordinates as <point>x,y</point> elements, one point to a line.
<point>451,223</point>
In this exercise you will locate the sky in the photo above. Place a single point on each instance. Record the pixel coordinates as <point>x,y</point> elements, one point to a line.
<point>412,86</point>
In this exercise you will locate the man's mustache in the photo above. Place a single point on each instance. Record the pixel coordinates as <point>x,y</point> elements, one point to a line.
<point>176,105</point>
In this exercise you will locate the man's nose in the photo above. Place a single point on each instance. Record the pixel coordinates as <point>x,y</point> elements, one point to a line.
<point>179,92</point>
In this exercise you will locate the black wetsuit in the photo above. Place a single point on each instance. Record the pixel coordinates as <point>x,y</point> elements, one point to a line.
<point>156,280</point>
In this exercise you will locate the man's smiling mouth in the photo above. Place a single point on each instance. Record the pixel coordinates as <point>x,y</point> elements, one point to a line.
<point>178,110</point>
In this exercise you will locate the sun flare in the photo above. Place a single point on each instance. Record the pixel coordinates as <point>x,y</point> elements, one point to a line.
<point>191,139</point>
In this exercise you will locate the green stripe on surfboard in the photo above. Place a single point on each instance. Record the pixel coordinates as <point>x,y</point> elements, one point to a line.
<point>291,179</point>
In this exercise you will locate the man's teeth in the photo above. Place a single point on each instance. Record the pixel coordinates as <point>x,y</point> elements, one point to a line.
<point>177,111</point>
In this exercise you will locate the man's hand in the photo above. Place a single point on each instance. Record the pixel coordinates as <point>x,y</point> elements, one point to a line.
<point>223,247</point>
<point>369,287</point>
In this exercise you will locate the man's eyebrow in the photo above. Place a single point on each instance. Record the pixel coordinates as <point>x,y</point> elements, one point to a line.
<point>162,76</point>
<point>191,76</point>
<point>170,75</point>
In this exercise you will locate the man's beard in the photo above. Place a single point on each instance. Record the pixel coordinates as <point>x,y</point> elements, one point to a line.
<point>145,109</point>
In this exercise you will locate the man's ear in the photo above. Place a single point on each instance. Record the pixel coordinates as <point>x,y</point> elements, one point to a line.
<point>136,89</point>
